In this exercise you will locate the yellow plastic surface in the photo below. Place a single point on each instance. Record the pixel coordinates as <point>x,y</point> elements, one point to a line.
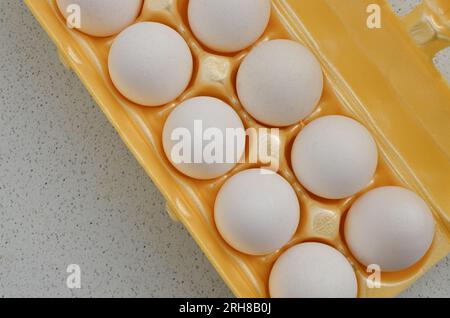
<point>382,77</point>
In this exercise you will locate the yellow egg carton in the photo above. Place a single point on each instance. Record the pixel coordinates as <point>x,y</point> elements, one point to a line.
<point>383,77</point>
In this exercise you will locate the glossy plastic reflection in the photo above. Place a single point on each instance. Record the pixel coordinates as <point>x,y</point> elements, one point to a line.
<point>380,77</point>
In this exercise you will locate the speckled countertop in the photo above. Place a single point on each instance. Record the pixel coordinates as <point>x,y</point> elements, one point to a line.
<point>71,193</point>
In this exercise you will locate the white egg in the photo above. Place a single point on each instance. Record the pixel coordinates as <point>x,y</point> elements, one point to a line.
<point>228,26</point>
<point>280,82</point>
<point>204,138</point>
<point>150,64</point>
<point>312,270</point>
<point>391,227</point>
<point>257,211</point>
<point>334,157</point>
<point>101,17</point>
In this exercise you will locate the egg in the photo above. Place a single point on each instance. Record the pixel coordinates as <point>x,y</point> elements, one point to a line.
<point>279,82</point>
<point>150,64</point>
<point>312,270</point>
<point>257,211</point>
<point>334,157</point>
<point>204,138</point>
<point>101,18</point>
<point>391,227</point>
<point>228,26</point>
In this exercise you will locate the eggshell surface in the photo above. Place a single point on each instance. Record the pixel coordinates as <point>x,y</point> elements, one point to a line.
<point>102,18</point>
<point>334,157</point>
<point>280,82</point>
<point>257,211</point>
<point>391,227</point>
<point>228,26</point>
<point>312,270</point>
<point>199,124</point>
<point>150,64</point>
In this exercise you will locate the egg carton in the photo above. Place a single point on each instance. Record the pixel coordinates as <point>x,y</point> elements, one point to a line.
<point>383,77</point>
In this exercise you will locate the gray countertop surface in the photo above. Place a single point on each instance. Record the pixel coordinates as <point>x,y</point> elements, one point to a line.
<point>71,192</point>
